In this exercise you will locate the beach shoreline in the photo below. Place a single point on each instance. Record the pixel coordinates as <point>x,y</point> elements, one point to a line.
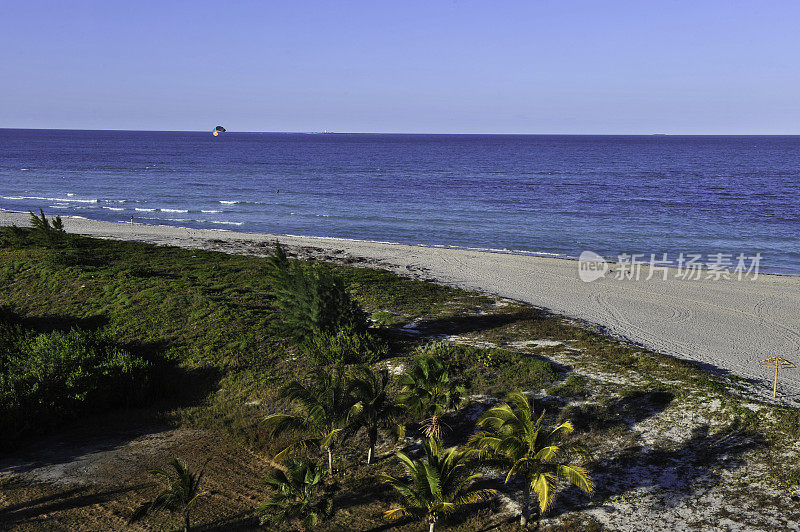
<point>726,325</point>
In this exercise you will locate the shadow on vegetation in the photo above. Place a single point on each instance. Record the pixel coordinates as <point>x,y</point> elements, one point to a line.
<point>52,322</point>
<point>24,513</point>
<point>363,489</point>
<point>164,386</point>
<point>475,323</point>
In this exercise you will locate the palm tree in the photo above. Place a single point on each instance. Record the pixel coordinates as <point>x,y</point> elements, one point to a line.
<point>181,494</point>
<point>438,485</point>
<point>519,443</point>
<point>371,388</point>
<point>293,497</point>
<point>326,408</point>
<point>427,392</point>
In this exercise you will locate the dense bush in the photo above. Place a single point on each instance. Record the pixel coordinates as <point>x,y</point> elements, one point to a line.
<point>43,232</point>
<point>315,309</point>
<point>48,377</point>
<point>345,346</point>
<point>493,371</point>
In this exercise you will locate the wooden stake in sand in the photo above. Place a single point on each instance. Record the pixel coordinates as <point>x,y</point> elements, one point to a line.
<point>778,363</point>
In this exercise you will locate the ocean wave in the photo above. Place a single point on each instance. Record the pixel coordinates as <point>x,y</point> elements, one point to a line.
<point>229,202</point>
<point>210,211</point>
<point>173,210</point>
<point>40,198</point>
<point>114,208</point>
<point>144,210</point>
<point>310,214</point>
<point>193,220</point>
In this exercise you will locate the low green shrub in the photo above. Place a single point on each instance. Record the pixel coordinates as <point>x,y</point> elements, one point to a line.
<point>13,236</point>
<point>573,385</point>
<point>46,378</point>
<point>346,346</point>
<point>493,371</point>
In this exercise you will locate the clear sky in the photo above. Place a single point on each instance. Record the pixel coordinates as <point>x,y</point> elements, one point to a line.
<point>693,66</point>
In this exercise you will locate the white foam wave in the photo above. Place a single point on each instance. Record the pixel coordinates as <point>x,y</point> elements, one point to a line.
<point>219,222</point>
<point>144,210</point>
<point>114,208</point>
<point>40,198</point>
<point>210,211</point>
<point>226,223</point>
<point>173,210</point>
<point>229,202</point>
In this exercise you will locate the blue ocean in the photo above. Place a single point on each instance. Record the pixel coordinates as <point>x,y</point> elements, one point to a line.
<point>551,195</point>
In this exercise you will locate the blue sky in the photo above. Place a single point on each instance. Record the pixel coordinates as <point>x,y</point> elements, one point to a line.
<point>694,67</point>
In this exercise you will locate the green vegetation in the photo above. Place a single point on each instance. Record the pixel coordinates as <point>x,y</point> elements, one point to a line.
<point>376,406</point>
<point>492,371</point>
<point>296,494</point>
<point>209,341</point>
<point>180,495</point>
<point>317,311</point>
<point>519,443</point>
<point>438,485</point>
<point>42,226</point>
<point>573,385</point>
<point>327,407</point>
<point>50,377</point>
<point>427,391</point>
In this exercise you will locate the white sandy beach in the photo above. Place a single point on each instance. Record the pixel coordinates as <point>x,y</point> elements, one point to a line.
<point>729,325</point>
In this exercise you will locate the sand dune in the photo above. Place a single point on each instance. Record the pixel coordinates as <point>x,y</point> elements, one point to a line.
<point>728,325</point>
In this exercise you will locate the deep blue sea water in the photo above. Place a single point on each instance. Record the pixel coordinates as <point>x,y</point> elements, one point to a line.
<point>542,194</point>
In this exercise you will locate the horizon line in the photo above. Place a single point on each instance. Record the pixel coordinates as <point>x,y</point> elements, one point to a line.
<point>325,132</point>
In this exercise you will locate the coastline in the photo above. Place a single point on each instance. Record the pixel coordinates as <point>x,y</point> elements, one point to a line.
<point>726,325</point>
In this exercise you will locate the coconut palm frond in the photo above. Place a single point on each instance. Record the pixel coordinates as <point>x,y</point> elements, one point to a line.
<point>181,493</point>
<point>399,513</point>
<point>428,392</point>
<point>515,438</point>
<point>277,424</point>
<point>577,476</point>
<point>326,409</point>
<point>295,493</point>
<point>439,483</point>
<point>476,495</point>
<point>565,429</point>
<point>547,453</point>
<point>544,486</point>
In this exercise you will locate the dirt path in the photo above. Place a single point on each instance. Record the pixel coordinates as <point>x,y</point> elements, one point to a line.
<point>79,482</point>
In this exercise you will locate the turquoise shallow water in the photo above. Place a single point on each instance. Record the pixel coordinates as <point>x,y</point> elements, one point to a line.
<point>540,194</point>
